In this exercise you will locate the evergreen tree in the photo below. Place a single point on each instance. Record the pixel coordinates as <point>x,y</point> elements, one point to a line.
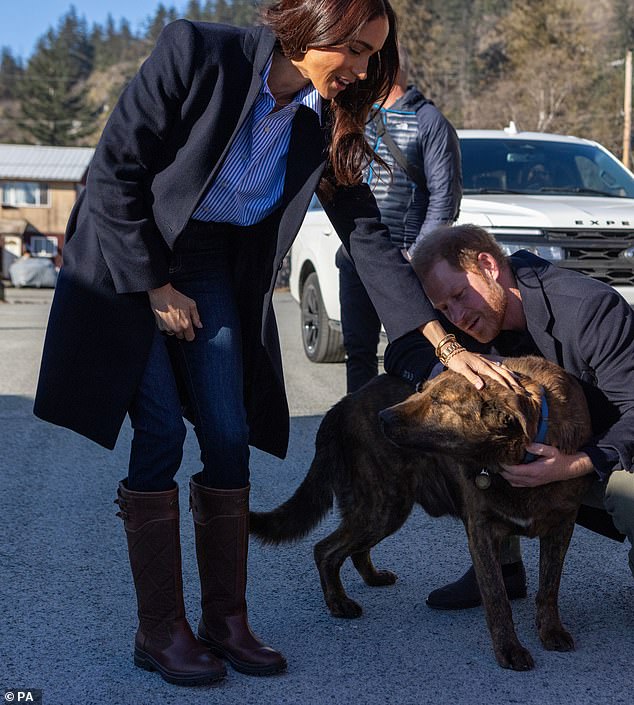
<point>10,74</point>
<point>105,44</point>
<point>53,110</point>
<point>209,11</point>
<point>245,12</point>
<point>72,34</point>
<point>194,11</point>
<point>164,15</point>
<point>223,11</point>
<point>97,39</point>
<point>128,45</point>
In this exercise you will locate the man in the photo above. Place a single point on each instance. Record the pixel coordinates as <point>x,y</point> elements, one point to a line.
<point>422,192</point>
<point>525,305</point>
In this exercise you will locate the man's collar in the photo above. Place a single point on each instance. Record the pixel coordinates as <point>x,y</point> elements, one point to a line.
<point>530,271</point>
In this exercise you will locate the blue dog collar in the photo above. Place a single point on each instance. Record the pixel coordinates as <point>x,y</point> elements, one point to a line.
<point>542,429</point>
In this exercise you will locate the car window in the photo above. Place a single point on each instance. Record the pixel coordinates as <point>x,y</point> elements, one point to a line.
<point>539,166</point>
<point>601,172</point>
<point>315,205</point>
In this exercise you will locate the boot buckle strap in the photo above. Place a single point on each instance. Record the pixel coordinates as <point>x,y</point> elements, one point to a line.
<point>122,504</point>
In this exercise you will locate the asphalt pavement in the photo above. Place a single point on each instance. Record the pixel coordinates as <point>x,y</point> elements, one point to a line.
<point>68,608</point>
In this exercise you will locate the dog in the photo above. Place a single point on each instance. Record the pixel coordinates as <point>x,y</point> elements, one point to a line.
<point>381,449</point>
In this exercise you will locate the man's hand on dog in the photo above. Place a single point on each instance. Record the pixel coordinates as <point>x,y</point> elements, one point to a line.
<point>551,466</point>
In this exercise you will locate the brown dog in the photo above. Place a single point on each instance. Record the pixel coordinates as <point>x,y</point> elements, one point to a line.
<point>381,449</point>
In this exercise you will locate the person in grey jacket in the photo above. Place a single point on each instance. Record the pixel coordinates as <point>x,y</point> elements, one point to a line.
<point>410,207</point>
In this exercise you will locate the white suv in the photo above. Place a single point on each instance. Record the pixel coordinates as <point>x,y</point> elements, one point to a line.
<point>566,199</point>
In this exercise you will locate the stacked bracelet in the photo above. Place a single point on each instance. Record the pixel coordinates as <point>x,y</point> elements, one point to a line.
<point>447,339</point>
<point>447,348</point>
<point>450,351</point>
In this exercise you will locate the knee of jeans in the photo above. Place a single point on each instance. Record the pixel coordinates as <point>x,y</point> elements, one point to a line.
<point>170,435</point>
<point>230,434</point>
<point>175,434</point>
<point>155,456</point>
<point>237,437</point>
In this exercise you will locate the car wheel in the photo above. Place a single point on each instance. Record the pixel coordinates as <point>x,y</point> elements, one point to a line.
<point>321,342</point>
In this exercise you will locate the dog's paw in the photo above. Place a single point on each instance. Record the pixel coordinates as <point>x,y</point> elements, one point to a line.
<point>556,639</point>
<point>345,607</point>
<point>380,578</point>
<point>515,656</point>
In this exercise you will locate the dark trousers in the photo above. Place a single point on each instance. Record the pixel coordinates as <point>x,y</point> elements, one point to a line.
<point>207,370</point>
<point>360,324</point>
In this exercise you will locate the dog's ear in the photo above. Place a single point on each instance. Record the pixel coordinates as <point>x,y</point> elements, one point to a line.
<point>501,419</point>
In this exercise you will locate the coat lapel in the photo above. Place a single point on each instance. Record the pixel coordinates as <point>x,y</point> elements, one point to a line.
<point>260,51</point>
<point>305,164</point>
<point>257,46</point>
<point>539,319</point>
<point>305,152</point>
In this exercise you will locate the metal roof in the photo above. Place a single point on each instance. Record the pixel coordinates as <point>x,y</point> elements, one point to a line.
<point>38,163</point>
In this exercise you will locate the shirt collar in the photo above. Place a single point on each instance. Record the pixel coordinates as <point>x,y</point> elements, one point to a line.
<point>307,96</point>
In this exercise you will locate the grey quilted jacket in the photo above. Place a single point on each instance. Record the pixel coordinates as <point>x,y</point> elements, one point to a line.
<point>429,141</point>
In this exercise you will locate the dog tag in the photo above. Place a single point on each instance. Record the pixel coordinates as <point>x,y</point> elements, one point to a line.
<point>483,480</point>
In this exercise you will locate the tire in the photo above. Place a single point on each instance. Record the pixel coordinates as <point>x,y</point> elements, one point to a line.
<point>321,342</point>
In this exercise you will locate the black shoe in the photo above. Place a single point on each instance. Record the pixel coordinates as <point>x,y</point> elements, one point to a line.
<point>464,592</point>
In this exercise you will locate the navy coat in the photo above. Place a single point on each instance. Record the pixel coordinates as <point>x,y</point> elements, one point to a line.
<point>165,140</point>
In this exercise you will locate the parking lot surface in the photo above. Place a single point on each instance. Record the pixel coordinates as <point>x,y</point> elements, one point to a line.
<point>68,603</point>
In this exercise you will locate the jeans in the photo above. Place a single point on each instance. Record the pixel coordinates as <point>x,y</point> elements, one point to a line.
<point>360,324</point>
<point>208,370</point>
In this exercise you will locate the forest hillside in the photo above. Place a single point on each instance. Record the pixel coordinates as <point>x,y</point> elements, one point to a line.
<point>554,66</point>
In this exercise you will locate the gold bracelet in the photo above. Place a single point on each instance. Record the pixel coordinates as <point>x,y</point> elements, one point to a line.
<point>447,348</point>
<point>453,353</point>
<point>450,349</point>
<point>449,338</point>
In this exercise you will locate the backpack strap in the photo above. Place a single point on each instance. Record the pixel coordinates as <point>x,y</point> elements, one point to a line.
<point>412,171</point>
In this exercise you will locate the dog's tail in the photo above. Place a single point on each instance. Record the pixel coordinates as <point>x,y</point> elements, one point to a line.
<point>301,513</point>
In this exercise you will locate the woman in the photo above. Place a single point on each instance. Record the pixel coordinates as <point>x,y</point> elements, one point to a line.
<point>197,188</point>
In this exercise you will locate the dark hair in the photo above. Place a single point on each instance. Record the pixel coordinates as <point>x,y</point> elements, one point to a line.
<point>458,245</point>
<point>301,24</point>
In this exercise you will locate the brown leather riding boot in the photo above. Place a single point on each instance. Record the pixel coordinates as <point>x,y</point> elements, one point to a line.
<point>221,520</point>
<point>164,640</point>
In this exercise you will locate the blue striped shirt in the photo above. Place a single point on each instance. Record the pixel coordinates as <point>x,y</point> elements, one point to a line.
<point>249,184</point>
